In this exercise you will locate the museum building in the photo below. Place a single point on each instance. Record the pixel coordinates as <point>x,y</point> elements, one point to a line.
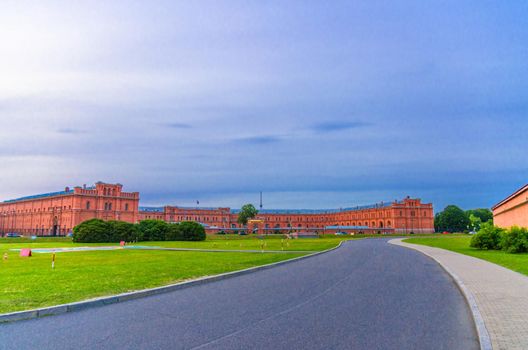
<point>57,213</point>
<point>513,210</point>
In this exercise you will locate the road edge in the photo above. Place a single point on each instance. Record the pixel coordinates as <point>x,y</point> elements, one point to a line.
<point>480,326</point>
<point>112,299</point>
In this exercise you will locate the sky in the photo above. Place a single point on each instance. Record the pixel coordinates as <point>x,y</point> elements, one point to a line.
<point>317,104</point>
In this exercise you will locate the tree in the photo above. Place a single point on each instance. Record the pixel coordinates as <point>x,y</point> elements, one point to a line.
<point>475,222</point>
<point>191,231</point>
<point>451,219</point>
<point>124,231</point>
<point>483,214</point>
<point>174,233</point>
<point>153,230</point>
<point>247,212</point>
<point>93,231</point>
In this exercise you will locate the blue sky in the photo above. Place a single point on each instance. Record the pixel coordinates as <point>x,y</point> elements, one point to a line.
<point>318,104</point>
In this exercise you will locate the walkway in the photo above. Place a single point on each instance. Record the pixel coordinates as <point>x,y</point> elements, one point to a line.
<point>500,294</point>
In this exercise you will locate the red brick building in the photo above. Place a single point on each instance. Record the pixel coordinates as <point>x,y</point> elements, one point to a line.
<point>58,212</point>
<point>408,215</point>
<point>513,210</point>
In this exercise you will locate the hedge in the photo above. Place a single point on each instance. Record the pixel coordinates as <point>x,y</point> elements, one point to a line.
<point>99,231</point>
<point>513,240</point>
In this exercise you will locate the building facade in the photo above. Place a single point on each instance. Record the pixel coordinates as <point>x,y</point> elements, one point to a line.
<point>406,216</point>
<point>58,212</point>
<point>513,210</point>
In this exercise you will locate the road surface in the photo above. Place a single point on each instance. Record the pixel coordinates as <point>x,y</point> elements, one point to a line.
<point>366,295</point>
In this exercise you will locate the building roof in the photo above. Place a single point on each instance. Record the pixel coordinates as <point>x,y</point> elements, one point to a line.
<point>278,211</point>
<point>152,209</point>
<point>39,196</point>
<point>514,194</point>
<point>317,211</point>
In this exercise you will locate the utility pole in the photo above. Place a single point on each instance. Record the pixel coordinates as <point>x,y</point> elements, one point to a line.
<point>260,200</point>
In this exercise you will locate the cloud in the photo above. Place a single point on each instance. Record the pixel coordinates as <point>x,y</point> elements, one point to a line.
<point>71,131</point>
<point>338,125</point>
<point>178,125</point>
<point>258,140</point>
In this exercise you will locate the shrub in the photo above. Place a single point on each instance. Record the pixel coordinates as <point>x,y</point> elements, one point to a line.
<point>92,231</point>
<point>191,231</point>
<point>174,233</point>
<point>488,237</point>
<point>153,230</point>
<point>124,231</point>
<point>515,240</point>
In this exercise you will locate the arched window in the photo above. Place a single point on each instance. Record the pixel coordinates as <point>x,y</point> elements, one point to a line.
<point>88,205</point>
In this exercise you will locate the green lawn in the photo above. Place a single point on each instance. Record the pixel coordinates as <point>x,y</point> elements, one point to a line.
<point>460,244</point>
<point>27,283</point>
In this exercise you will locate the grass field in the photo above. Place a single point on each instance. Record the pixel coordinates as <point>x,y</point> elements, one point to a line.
<point>27,283</point>
<point>460,244</point>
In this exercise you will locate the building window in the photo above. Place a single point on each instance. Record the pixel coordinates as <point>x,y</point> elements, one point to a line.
<point>88,205</point>
<point>126,206</point>
<point>109,206</point>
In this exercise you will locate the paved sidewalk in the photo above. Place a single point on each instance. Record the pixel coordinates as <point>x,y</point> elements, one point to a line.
<point>501,295</point>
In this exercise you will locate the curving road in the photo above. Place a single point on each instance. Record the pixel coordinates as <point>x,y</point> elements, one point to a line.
<point>366,295</point>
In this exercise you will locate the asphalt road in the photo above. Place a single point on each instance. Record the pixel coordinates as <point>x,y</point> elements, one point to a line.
<point>366,295</point>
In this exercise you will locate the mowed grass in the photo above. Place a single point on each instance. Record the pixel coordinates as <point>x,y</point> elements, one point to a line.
<point>460,244</point>
<point>229,242</point>
<point>27,283</point>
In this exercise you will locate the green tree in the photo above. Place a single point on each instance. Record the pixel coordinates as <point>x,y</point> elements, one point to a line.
<point>153,230</point>
<point>451,219</point>
<point>174,233</point>
<point>247,212</point>
<point>483,214</point>
<point>475,222</point>
<point>124,231</point>
<point>191,231</point>
<point>93,231</point>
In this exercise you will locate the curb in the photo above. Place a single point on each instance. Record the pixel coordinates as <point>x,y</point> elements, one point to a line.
<point>81,305</point>
<point>483,335</point>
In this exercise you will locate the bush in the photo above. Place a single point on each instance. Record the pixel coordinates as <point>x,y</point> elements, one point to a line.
<point>174,233</point>
<point>124,231</point>
<point>153,230</point>
<point>93,231</point>
<point>515,240</point>
<point>488,237</point>
<point>191,231</point>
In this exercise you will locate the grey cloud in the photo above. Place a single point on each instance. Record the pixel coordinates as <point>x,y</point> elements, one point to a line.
<point>176,125</point>
<point>338,125</point>
<point>258,140</point>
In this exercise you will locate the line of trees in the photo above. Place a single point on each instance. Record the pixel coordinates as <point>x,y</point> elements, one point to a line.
<point>99,231</point>
<point>454,219</point>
